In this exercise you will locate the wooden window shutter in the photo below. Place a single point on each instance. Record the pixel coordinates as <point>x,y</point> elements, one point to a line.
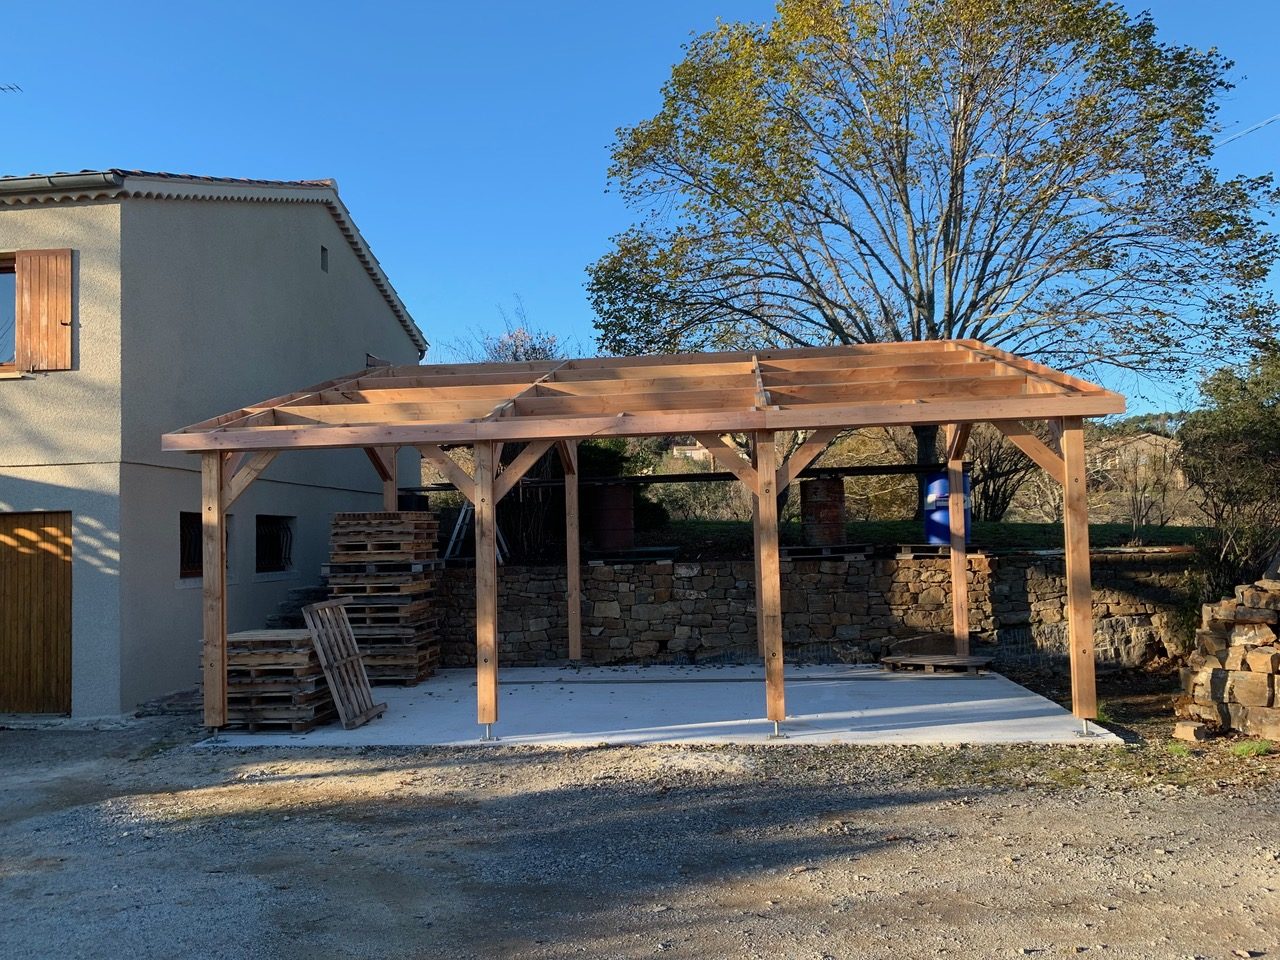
<point>43,309</point>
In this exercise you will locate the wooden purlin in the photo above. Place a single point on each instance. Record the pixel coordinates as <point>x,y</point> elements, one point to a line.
<point>503,408</point>
<point>220,422</point>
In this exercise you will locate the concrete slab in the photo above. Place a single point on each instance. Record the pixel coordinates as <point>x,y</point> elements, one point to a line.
<point>548,706</point>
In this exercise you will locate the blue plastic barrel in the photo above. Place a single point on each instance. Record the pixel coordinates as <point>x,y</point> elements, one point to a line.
<point>937,508</point>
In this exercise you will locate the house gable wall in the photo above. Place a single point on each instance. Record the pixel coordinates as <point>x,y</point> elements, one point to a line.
<point>225,303</point>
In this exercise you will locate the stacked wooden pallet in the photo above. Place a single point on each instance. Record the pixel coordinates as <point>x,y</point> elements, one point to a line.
<point>386,565</point>
<point>275,681</point>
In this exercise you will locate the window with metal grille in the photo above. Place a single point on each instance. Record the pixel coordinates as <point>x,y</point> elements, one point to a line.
<point>190,545</point>
<point>275,543</point>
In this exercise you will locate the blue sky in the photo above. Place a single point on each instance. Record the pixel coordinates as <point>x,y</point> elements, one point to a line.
<point>469,140</point>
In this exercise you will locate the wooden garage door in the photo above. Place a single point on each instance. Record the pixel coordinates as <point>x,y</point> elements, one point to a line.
<point>35,612</point>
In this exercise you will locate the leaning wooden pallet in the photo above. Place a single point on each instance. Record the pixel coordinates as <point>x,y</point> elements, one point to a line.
<point>340,657</point>
<point>385,566</point>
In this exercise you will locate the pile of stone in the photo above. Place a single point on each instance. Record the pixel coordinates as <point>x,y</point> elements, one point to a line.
<point>1232,680</point>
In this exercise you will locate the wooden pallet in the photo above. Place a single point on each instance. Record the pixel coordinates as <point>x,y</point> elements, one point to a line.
<point>340,656</point>
<point>383,565</point>
<point>393,568</point>
<point>392,516</point>
<point>291,721</point>
<point>282,659</point>
<point>274,639</point>
<point>931,663</point>
<point>400,662</point>
<point>380,633</point>
<point>275,682</point>
<point>360,586</point>
<point>418,621</point>
<point>252,682</point>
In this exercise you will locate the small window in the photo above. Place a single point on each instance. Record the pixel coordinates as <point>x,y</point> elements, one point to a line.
<point>275,544</point>
<point>191,545</point>
<point>324,259</point>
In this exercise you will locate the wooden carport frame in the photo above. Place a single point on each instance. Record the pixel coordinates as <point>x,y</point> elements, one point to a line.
<point>558,403</point>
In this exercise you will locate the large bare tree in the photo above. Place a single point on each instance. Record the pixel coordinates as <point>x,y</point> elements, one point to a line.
<point>1032,173</point>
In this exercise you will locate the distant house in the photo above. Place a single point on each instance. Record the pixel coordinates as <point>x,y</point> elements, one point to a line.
<point>691,451</point>
<point>131,304</point>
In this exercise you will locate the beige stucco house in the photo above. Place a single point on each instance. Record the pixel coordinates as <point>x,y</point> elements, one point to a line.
<point>134,303</point>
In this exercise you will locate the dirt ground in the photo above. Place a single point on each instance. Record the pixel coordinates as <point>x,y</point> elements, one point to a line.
<point>132,842</point>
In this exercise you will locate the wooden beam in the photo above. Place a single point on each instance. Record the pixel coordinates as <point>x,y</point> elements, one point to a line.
<point>729,458</point>
<point>390,486</point>
<point>517,468</point>
<point>505,408</point>
<point>882,391</point>
<point>358,414</point>
<point>957,440</point>
<point>762,395</point>
<point>568,455</point>
<point>249,471</point>
<point>548,405</point>
<point>378,457</point>
<point>805,454</point>
<point>769,582</point>
<point>939,369</point>
<point>1075,520</point>
<point>214,556</point>
<point>462,481</point>
<point>218,422</point>
<point>573,549</point>
<point>231,463</point>
<point>486,588</point>
<point>560,427</point>
<point>956,435</point>
<point>1026,441</point>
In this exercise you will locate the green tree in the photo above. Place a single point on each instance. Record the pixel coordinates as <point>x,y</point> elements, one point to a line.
<point>1032,173</point>
<point>1231,457</point>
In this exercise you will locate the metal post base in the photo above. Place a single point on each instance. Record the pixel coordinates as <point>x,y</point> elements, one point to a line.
<point>1084,730</point>
<point>488,736</point>
<point>777,731</point>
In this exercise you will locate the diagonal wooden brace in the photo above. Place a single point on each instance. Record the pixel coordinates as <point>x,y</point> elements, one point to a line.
<point>729,458</point>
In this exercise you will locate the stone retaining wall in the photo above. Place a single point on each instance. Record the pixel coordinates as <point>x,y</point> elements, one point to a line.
<point>834,609</point>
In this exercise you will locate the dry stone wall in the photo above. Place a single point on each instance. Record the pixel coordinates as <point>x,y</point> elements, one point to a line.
<point>834,609</point>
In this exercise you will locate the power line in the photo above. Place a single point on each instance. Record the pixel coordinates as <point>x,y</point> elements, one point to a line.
<point>1247,131</point>
<point>10,88</point>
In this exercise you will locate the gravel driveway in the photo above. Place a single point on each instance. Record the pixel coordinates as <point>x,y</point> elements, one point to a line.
<point>133,843</point>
